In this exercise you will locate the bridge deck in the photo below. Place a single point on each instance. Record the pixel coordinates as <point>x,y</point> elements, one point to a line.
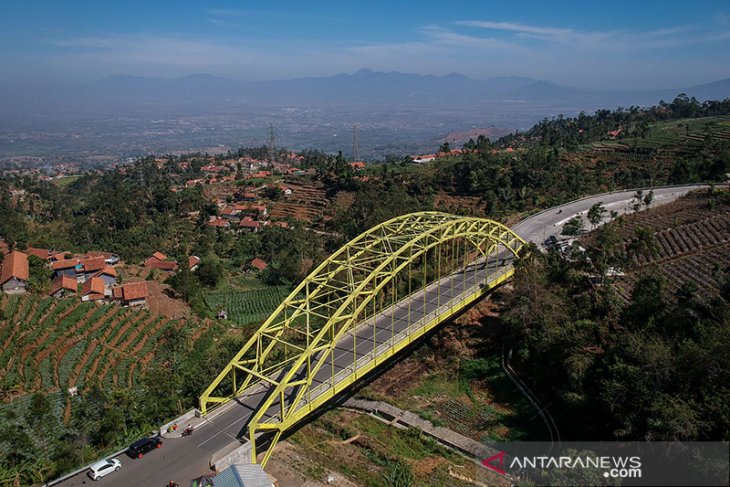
<point>366,342</point>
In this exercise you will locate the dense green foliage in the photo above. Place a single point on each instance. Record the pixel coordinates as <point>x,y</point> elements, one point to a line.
<point>632,122</point>
<point>655,367</point>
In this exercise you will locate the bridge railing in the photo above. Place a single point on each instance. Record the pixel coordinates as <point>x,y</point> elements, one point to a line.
<point>414,331</point>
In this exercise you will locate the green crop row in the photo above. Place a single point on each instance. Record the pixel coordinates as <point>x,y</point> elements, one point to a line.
<point>244,307</point>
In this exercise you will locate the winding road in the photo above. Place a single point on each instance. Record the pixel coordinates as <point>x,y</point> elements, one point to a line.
<point>183,459</point>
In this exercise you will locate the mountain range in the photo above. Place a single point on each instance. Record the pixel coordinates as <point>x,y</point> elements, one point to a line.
<point>367,87</point>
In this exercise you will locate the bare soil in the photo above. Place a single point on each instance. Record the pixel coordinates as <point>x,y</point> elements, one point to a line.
<point>159,302</point>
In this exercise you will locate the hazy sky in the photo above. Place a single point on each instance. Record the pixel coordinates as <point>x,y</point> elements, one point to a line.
<point>622,44</point>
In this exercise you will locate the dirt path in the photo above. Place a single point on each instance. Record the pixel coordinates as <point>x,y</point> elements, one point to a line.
<point>160,303</point>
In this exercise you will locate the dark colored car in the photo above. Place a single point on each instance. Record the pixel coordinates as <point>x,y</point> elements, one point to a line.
<point>145,445</point>
<point>550,241</point>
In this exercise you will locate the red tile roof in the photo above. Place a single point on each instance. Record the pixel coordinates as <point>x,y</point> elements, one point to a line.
<point>159,256</point>
<point>15,265</point>
<point>165,265</point>
<point>259,264</point>
<point>43,254</point>
<point>64,264</point>
<point>134,290</point>
<point>63,282</point>
<point>193,260</point>
<point>107,270</point>
<point>358,165</point>
<point>93,265</point>
<point>94,287</point>
<point>58,256</point>
<point>218,222</point>
<point>247,222</point>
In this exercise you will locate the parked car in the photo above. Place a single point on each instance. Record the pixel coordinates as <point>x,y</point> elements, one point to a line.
<point>145,445</point>
<point>103,468</point>
<point>550,241</point>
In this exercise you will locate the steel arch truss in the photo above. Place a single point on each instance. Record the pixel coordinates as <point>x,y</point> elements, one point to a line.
<point>351,304</point>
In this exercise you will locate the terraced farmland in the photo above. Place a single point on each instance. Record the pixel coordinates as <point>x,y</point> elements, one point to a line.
<point>306,203</point>
<point>655,155</point>
<point>692,237</point>
<point>250,306</point>
<point>50,345</point>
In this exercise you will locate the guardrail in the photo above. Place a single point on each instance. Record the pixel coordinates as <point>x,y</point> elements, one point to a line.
<point>616,191</point>
<point>82,469</point>
<point>402,338</point>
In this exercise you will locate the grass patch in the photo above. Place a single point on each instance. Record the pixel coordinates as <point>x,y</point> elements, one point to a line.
<point>247,306</point>
<point>65,181</point>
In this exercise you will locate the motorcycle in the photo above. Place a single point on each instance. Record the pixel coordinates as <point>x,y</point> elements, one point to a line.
<point>187,431</point>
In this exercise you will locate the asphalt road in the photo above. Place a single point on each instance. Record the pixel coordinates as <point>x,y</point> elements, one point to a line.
<point>183,459</point>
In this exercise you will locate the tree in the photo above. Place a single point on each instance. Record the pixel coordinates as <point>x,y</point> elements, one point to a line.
<point>210,271</point>
<point>638,200</point>
<point>445,147</point>
<point>573,227</point>
<point>39,275</point>
<point>643,244</point>
<point>596,214</point>
<point>648,198</point>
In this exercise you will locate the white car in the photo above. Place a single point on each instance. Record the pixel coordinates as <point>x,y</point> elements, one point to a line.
<point>104,467</point>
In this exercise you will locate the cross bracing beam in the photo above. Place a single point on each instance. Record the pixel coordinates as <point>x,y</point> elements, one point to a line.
<point>384,270</point>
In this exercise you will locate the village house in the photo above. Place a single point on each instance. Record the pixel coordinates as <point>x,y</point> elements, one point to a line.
<point>257,265</point>
<point>249,224</point>
<point>89,267</point>
<point>109,258</point>
<point>65,267</point>
<point>423,158</point>
<point>219,223</point>
<point>230,212</point>
<point>108,274</point>
<point>357,165</point>
<point>93,290</point>
<point>63,286</point>
<point>43,254</point>
<point>15,273</point>
<point>193,263</point>
<point>159,261</point>
<point>258,211</point>
<point>81,269</point>
<point>260,175</point>
<point>131,294</point>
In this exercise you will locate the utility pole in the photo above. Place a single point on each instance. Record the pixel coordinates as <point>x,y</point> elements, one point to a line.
<point>355,144</point>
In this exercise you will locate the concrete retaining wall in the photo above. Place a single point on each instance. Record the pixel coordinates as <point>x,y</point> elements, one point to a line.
<point>233,453</point>
<point>445,436</point>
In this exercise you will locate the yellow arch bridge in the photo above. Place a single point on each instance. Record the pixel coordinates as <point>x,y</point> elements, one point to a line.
<point>360,307</point>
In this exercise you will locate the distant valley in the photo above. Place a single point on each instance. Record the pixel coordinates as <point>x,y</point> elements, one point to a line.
<point>394,113</point>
